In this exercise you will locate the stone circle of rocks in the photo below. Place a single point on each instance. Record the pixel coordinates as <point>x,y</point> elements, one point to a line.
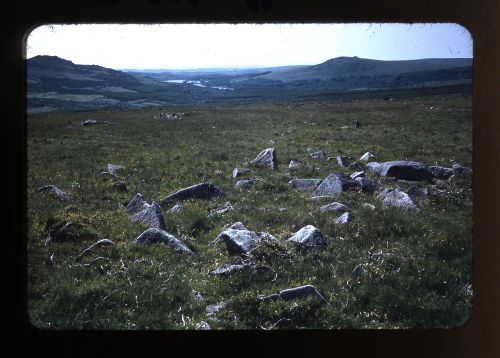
<point>241,241</point>
<point>293,293</point>
<point>205,191</point>
<point>305,185</point>
<point>240,172</point>
<point>317,155</point>
<point>334,184</point>
<point>266,159</point>
<point>401,169</point>
<point>153,235</point>
<point>90,249</point>
<point>397,198</point>
<point>55,191</point>
<point>308,236</point>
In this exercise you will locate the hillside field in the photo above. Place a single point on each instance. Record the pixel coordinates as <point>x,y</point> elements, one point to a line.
<point>418,269</point>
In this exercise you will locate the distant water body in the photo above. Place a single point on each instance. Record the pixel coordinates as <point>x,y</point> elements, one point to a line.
<point>199,84</point>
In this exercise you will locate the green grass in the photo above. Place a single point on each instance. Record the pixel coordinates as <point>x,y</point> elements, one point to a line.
<point>419,264</point>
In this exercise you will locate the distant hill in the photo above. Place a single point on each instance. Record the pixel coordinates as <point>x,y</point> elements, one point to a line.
<point>54,83</point>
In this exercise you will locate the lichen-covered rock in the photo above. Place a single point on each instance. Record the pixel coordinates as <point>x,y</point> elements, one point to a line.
<point>335,207</point>
<point>366,157</point>
<point>317,155</point>
<point>266,159</point>
<point>138,203</point>
<point>335,184</point>
<point>308,236</point>
<point>401,169</point>
<point>152,235</point>
<point>307,185</point>
<point>344,218</point>
<point>203,191</point>
<point>399,199</point>
<point>440,172</point>
<point>55,191</point>
<point>367,185</point>
<point>244,184</point>
<point>150,215</point>
<point>240,171</point>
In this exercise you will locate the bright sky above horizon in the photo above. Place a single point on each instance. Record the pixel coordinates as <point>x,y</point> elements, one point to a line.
<point>181,46</point>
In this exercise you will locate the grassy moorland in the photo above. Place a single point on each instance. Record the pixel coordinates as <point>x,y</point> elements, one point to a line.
<point>419,265</point>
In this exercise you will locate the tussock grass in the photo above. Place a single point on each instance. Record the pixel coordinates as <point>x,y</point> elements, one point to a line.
<point>418,265</point>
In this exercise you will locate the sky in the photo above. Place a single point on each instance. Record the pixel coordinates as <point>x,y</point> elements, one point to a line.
<point>183,46</point>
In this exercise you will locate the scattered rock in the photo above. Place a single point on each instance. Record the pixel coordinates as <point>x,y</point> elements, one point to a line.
<point>440,172</point>
<point>300,292</point>
<point>293,165</point>
<point>120,186</point>
<point>398,198</point>
<point>150,215</point>
<point>136,204</point>
<point>307,185</point>
<point>90,122</point>
<point>342,161</point>
<point>335,184</point>
<point>460,169</point>
<point>335,207</point>
<point>317,155</point>
<point>244,184</point>
<point>204,191</point>
<point>309,236</point>
<point>368,206</point>
<point>360,174</point>
<point>241,241</point>
<point>203,326</point>
<point>113,169</point>
<point>367,185</point>
<point>401,169</point>
<point>344,218</point>
<point>88,250</point>
<point>177,208</point>
<point>240,171</point>
<point>227,269</point>
<point>152,235</point>
<point>366,157</point>
<point>55,191</point>
<point>219,210</point>
<point>266,159</point>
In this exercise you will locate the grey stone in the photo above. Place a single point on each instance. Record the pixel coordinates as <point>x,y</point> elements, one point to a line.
<point>342,161</point>
<point>150,215</point>
<point>300,292</point>
<point>335,184</point>
<point>240,171</point>
<point>335,207</point>
<point>357,174</point>
<point>307,185</point>
<point>90,249</point>
<point>440,172</point>
<point>203,326</point>
<point>55,191</point>
<point>152,236</point>
<point>308,236</point>
<point>203,191</point>
<point>266,159</point>
<point>227,269</point>
<point>368,206</point>
<point>399,199</point>
<point>344,218</point>
<point>367,185</point>
<point>317,155</point>
<point>460,169</point>
<point>244,184</point>
<point>401,169</point>
<point>177,208</point>
<point>241,241</point>
<point>219,210</point>
<point>293,165</point>
<point>366,157</point>
<point>138,203</point>
<point>113,169</point>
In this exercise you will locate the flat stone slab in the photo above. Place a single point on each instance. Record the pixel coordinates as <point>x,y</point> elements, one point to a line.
<point>399,199</point>
<point>137,204</point>
<point>306,185</point>
<point>335,207</point>
<point>401,169</point>
<point>335,184</point>
<point>54,191</point>
<point>266,159</point>
<point>241,241</point>
<point>152,236</point>
<point>205,191</point>
<point>308,236</point>
<point>150,215</point>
